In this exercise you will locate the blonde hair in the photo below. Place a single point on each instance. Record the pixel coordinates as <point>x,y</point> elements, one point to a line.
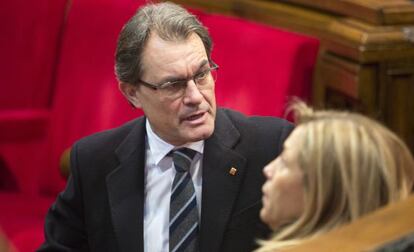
<point>352,165</point>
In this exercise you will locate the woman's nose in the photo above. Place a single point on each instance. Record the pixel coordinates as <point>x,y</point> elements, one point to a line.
<point>267,171</point>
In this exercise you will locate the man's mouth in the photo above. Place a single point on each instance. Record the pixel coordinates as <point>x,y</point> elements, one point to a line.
<point>195,116</point>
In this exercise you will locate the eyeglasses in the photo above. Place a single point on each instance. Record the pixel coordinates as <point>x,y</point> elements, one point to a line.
<point>175,89</point>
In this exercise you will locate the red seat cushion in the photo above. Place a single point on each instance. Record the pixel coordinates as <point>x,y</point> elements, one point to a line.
<point>23,124</point>
<point>87,98</point>
<point>29,41</point>
<point>23,135</point>
<point>20,212</point>
<point>29,240</point>
<point>260,66</point>
<point>28,46</point>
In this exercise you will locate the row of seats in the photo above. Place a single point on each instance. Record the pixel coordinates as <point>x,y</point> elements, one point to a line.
<point>58,85</point>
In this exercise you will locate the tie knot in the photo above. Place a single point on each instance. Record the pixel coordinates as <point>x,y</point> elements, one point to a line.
<point>182,159</point>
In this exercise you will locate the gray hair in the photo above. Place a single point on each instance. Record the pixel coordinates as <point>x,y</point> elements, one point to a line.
<point>171,23</point>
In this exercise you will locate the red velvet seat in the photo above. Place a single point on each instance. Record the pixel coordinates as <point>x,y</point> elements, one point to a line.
<point>28,45</point>
<point>19,212</point>
<point>261,67</point>
<point>29,41</point>
<point>87,97</point>
<point>86,57</point>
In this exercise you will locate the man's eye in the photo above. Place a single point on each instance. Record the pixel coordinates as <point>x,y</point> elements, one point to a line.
<point>202,75</point>
<point>176,85</point>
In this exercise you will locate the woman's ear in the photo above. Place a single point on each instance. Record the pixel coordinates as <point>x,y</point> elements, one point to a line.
<point>131,94</point>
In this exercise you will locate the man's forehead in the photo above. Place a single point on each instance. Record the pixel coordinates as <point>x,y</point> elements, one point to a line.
<point>171,56</point>
<point>155,40</point>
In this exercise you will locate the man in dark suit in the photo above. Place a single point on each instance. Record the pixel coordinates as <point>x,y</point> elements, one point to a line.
<point>187,176</point>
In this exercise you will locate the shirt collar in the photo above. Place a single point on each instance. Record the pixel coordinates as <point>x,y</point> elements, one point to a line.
<point>159,148</point>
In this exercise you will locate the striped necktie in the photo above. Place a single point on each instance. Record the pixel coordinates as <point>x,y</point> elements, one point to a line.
<point>183,205</point>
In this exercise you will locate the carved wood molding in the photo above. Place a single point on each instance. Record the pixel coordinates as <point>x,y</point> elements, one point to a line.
<point>378,12</point>
<point>348,36</point>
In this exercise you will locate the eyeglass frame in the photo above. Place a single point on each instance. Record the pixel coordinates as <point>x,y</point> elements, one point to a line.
<point>171,83</point>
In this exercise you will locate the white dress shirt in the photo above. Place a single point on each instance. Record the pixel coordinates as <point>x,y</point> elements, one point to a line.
<point>159,176</point>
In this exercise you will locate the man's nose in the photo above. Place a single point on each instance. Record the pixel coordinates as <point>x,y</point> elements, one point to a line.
<point>192,94</point>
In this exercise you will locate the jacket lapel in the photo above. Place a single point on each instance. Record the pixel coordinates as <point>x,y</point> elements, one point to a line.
<point>126,190</point>
<point>220,187</point>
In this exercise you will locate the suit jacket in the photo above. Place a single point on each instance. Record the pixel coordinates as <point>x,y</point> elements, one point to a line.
<point>101,208</point>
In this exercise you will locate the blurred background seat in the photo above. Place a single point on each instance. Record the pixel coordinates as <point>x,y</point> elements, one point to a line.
<point>261,67</point>
<point>31,32</point>
<point>83,94</point>
<point>29,44</point>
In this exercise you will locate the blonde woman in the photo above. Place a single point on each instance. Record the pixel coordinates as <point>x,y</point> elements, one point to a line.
<point>335,167</point>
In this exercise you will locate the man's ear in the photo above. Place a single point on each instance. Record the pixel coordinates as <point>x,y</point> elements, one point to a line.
<point>130,93</point>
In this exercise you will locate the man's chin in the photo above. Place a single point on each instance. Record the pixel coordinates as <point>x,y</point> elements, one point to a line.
<point>201,133</point>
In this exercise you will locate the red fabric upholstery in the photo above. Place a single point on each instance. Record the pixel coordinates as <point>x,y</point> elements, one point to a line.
<point>28,45</point>
<point>20,212</point>
<point>22,137</point>
<point>87,98</point>
<point>30,34</point>
<point>29,239</point>
<point>23,124</point>
<point>260,67</point>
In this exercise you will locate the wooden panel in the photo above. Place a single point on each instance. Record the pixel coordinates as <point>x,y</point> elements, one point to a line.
<point>4,243</point>
<point>341,83</point>
<point>384,91</point>
<point>293,18</point>
<point>340,75</point>
<point>274,13</point>
<point>378,12</point>
<point>368,43</point>
<point>396,99</point>
<point>222,6</point>
<point>368,233</point>
<point>345,35</point>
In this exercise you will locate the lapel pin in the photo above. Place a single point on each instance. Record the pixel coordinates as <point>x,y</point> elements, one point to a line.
<point>233,171</point>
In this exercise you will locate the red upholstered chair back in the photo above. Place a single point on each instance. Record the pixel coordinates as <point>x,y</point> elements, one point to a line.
<point>261,67</point>
<point>29,41</point>
<point>28,48</point>
<point>87,97</point>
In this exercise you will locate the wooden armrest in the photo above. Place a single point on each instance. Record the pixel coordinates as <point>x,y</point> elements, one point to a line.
<point>65,163</point>
<point>369,233</point>
<point>5,244</point>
